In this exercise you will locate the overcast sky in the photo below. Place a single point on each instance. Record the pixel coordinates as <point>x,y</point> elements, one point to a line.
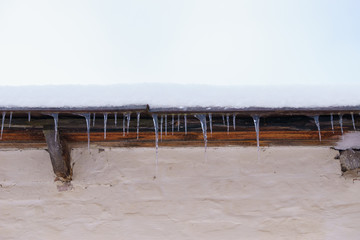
<point>195,41</point>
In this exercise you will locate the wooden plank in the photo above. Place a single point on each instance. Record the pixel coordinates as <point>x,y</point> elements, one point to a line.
<point>59,155</point>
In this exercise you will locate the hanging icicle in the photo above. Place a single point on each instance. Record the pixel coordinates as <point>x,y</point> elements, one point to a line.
<point>223,119</point>
<point>210,123</point>
<point>105,123</point>
<point>94,116</point>
<point>172,124</point>
<point>202,118</point>
<point>156,129</point>
<point>10,120</point>
<point>317,122</point>
<point>137,124</point>
<point>234,121</point>
<point>87,119</point>
<point>56,120</point>
<point>161,126</point>
<point>256,119</point>
<point>353,121</point>
<point>2,124</point>
<point>115,117</point>
<point>128,122</point>
<point>29,116</point>
<point>165,124</point>
<point>227,123</point>
<point>124,117</point>
<point>178,121</point>
<point>341,123</point>
<point>332,122</point>
<point>185,123</point>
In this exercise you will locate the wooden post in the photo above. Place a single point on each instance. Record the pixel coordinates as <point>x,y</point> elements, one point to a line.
<point>59,155</point>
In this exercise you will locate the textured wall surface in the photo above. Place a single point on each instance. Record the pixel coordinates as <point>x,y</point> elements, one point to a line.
<point>288,193</point>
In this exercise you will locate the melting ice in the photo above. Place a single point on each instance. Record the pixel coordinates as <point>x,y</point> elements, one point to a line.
<point>227,123</point>
<point>161,126</point>
<point>234,122</point>
<point>332,122</point>
<point>11,113</point>
<point>87,118</point>
<point>341,123</point>
<point>185,124</point>
<point>165,124</point>
<point>353,121</point>
<point>172,124</point>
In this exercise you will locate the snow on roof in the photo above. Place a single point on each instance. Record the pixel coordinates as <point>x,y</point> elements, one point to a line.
<point>159,95</point>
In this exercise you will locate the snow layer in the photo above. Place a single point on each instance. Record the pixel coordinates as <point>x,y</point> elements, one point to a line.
<point>178,95</point>
<point>291,193</point>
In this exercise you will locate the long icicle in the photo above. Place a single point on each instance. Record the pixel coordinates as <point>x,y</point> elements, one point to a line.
<point>353,121</point>
<point>11,113</point>
<point>185,123</point>
<point>172,124</point>
<point>165,124</point>
<point>256,119</point>
<point>2,124</point>
<point>105,123</point>
<point>227,123</point>
<point>124,116</point>
<point>202,118</point>
<point>317,122</point>
<point>156,129</point>
<point>29,116</point>
<point>94,116</point>
<point>161,126</point>
<point>56,120</point>
<point>332,122</point>
<point>87,119</point>
<point>137,124</point>
<point>178,122</point>
<point>128,123</point>
<point>223,119</point>
<point>210,123</point>
<point>115,117</point>
<point>234,121</point>
<point>341,123</point>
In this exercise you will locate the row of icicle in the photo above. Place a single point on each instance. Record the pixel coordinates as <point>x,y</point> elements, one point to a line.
<point>202,118</point>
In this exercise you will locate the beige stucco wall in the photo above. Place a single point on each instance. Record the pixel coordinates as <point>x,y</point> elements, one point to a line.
<point>289,193</point>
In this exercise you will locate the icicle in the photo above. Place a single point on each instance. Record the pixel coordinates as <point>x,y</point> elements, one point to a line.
<point>105,123</point>
<point>10,119</point>
<point>94,119</point>
<point>332,122</point>
<point>165,124</point>
<point>128,122</point>
<point>178,122</point>
<point>29,116</point>
<point>256,119</point>
<point>341,123</point>
<point>202,118</point>
<point>161,127</point>
<point>227,123</point>
<point>115,116</point>
<point>210,123</point>
<point>317,122</point>
<point>223,118</point>
<point>185,124</point>
<point>156,128</point>
<point>137,124</point>
<point>234,121</point>
<point>172,124</point>
<point>353,121</point>
<point>124,115</point>
<point>56,120</point>
<point>87,118</point>
<point>2,124</point>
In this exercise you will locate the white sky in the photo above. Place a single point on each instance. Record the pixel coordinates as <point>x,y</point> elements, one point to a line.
<point>194,41</point>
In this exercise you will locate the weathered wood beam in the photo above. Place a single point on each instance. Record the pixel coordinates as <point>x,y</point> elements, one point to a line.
<point>59,154</point>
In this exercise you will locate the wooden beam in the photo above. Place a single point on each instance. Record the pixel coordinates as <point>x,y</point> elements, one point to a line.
<point>59,155</point>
